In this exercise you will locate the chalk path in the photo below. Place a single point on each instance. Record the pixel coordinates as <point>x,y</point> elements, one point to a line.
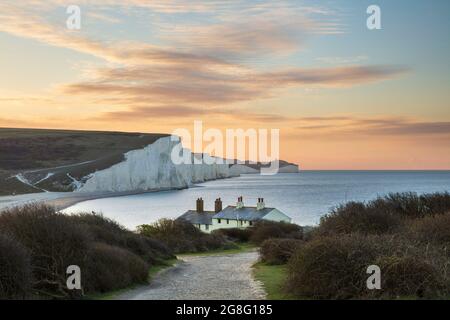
<point>212,277</point>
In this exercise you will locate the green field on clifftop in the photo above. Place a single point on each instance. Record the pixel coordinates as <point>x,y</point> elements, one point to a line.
<point>54,155</point>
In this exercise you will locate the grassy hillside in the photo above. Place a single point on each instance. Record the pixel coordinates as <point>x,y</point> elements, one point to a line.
<point>49,158</point>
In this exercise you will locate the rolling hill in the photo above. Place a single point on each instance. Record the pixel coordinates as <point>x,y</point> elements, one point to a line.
<point>36,160</point>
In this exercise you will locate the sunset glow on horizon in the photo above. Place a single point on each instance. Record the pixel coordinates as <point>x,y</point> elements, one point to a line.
<point>343,96</point>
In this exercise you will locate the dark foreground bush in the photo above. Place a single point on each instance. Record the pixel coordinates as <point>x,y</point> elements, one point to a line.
<point>279,251</point>
<point>335,268</point>
<point>15,270</point>
<point>235,234</point>
<point>432,229</point>
<point>53,242</point>
<point>411,205</point>
<point>409,276</point>
<point>264,230</point>
<point>358,217</point>
<point>107,231</point>
<point>108,255</point>
<point>181,236</point>
<point>330,268</point>
<point>113,268</point>
<point>383,215</point>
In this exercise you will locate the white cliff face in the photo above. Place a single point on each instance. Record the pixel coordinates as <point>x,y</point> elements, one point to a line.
<point>151,168</point>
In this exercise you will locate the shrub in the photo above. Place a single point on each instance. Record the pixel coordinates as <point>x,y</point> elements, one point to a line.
<point>436,203</point>
<point>15,269</point>
<point>358,217</point>
<point>432,229</point>
<point>108,255</point>
<point>181,236</point>
<point>383,215</point>
<point>53,242</point>
<point>263,230</point>
<point>409,276</point>
<point>411,205</point>
<point>334,267</point>
<point>110,232</point>
<point>111,268</point>
<point>278,251</point>
<point>235,234</point>
<point>330,268</point>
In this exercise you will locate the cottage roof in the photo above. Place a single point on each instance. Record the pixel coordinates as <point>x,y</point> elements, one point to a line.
<point>244,213</point>
<point>194,217</point>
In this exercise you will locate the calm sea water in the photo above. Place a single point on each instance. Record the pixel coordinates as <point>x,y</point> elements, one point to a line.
<point>305,196</point>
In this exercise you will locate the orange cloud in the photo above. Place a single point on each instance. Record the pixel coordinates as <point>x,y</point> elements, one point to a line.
<point>345,126</point>
<point>172,84</point>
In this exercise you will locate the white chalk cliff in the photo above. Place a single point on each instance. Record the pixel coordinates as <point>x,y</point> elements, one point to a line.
<point>152,168</point>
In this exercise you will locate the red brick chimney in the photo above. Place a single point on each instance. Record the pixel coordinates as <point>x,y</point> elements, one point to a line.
<point>200,205</point>
<point>218,205</point>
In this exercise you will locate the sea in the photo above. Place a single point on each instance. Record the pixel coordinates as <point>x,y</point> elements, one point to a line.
<point>304,196</point>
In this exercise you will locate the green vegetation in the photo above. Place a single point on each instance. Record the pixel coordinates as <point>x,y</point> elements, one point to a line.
<point>155,269</point>
<point>273,278</point>
<point>77,153</point>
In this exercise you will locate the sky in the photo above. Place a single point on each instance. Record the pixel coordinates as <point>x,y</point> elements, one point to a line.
<point>343,96</point>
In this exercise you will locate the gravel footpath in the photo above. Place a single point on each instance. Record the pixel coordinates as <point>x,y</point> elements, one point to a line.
<point>213,277</point>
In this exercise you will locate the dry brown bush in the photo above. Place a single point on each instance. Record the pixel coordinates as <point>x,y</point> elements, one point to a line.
<point>235,234</point>
<point>108,255</point>
<point>15,270</point>
<point>432,229</point>
<point>53,242</point>
<point>111,268</point>
<point>263,230</point>
<point>107,231</point>
<point>334,267</point>
<point>279,251</point>
<point>181,236</point>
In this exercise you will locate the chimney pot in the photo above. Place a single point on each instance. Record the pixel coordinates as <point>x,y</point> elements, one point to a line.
<point>240,202</point>
<point>260,205</point>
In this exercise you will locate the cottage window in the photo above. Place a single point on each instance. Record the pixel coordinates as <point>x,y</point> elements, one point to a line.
<point>219,220</point>
<point>207,226</point>
<point>228,221</point>
<point>250,222</point>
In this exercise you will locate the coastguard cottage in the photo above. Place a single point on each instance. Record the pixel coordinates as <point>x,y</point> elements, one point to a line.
<point>238,216</point>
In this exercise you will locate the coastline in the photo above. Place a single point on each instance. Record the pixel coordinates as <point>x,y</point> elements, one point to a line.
<point>64,200</point>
